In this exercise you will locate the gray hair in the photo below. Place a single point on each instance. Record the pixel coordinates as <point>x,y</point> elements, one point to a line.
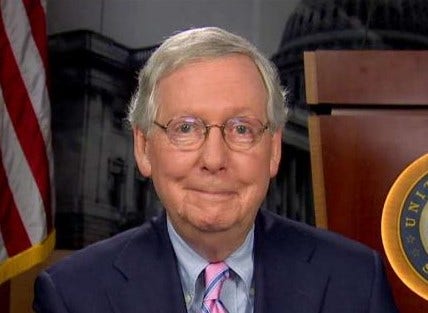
<point>191,45</point>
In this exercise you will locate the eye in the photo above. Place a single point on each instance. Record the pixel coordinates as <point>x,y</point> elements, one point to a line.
<point>242,129</point>
<point>185,127</point>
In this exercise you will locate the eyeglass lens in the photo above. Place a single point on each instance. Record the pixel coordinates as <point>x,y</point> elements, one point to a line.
<point>190,132</point>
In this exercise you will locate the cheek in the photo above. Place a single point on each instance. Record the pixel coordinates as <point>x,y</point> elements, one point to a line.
<point>166,160</point>
<point>164,166</point>
<point>169,168</point>
<point>257,174</point>
<point>256,166</point>
<point>253,173</point>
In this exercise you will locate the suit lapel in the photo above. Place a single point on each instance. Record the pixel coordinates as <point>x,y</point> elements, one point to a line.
<point>149,277</point>
<point>285,280</point>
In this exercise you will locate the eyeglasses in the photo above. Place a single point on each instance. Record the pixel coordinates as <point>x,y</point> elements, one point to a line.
<point>189,132</point>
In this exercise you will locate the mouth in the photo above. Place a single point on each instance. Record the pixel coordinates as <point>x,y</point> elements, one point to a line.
<point>213,194</point>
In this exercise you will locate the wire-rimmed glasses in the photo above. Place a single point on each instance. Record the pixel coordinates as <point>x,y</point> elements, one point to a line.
<point>190,132</point>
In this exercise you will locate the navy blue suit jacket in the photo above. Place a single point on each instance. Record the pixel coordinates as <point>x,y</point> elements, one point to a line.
<point>297,269</point>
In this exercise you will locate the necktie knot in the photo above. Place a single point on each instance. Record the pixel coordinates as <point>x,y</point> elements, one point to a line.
<point>215,275</point>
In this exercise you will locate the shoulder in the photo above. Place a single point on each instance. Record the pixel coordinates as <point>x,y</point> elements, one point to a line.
<point>346,274</point>
<point>346,264</point>
<point>83,280</point>
<point>101,256</point>
<point>321,246</point>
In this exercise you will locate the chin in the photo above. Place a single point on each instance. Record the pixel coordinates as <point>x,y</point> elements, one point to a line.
<point>214,223</point>
<point>212,227</point>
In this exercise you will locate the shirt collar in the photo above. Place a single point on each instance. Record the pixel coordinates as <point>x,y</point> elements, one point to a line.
<point>241,260</point>
<point>191,264</point>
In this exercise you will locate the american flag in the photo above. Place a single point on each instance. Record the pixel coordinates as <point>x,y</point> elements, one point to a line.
<point>26,166</point>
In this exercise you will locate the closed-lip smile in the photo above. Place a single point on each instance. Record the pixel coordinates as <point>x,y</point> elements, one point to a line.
<point>213,193</point>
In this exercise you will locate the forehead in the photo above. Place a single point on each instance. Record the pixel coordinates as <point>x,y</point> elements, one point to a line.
<point>230,84</point>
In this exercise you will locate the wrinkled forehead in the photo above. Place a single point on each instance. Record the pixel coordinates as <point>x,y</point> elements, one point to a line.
<point>230,67</point>
<point>231,83</point>
<point>193,66</point>
<point>173,65</point>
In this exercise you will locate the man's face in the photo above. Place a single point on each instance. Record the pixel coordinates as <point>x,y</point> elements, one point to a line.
<point>211,189</point>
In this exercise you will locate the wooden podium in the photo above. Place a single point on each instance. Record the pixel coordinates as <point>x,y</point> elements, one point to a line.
<point>368,122</point>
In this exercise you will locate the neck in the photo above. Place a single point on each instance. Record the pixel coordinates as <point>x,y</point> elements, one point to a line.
<point>214,246</point>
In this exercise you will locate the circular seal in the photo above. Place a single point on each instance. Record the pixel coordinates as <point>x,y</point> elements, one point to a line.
<point>405,226</point>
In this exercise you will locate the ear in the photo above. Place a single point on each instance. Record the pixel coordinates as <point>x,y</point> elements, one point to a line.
<point>275,156</point>
<point>141,152</point>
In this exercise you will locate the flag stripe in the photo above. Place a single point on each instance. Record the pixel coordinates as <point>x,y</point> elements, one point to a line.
<point>26,54</point>
<point>3,252</point>
<point>27,236</point>
<point>13,231</point>
<point>36,16</point>
<point>20,179</point>
<point>19,30</point>
<point>17,95</point>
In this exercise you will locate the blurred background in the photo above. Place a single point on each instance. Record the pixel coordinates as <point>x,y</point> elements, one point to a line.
<point>95,50</point>
<point>97,47</point>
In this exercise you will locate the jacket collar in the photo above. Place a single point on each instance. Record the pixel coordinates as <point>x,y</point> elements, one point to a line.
<point>148,266</point>
<point>285,279</point>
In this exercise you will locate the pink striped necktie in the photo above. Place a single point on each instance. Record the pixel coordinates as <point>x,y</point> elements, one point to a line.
<point>215,275</point>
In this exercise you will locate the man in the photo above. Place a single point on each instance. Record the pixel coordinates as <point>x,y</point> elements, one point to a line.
<point>207,121</point>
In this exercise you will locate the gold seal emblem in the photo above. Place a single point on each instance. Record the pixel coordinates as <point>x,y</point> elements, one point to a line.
<point>405,226</point>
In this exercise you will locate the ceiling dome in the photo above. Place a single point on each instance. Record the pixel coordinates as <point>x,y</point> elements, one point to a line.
<point>367,22</point>
<point>347,24</point>
<point>332,24</point>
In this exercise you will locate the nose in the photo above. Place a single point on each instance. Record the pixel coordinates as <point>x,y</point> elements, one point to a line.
<point>214,150</point>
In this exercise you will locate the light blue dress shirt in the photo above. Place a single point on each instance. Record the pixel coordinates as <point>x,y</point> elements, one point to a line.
<point>237,293</point>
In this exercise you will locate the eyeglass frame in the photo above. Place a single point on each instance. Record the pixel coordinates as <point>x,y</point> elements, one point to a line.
<point>208,127</point>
